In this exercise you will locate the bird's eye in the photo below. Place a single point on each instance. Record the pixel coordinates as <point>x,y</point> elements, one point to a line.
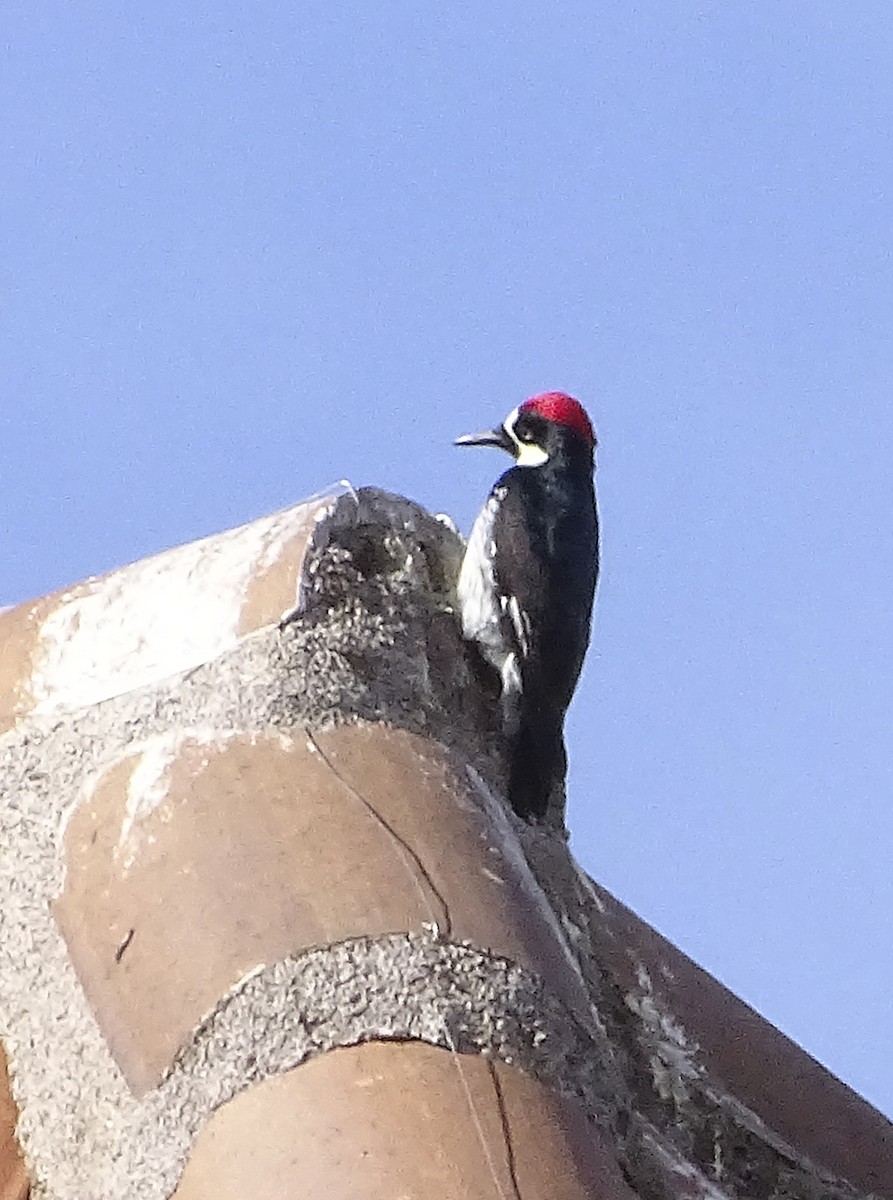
<point>525,433</point>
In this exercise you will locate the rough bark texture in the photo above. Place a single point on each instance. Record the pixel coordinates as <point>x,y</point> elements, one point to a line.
<point>269,930</point>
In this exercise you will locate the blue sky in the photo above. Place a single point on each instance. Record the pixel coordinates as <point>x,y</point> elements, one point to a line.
<point>253,249</point>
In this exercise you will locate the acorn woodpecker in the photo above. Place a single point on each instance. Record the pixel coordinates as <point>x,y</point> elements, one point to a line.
<point>527,583</point>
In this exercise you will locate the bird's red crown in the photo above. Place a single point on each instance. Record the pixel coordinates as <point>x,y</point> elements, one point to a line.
<point>563,410</point>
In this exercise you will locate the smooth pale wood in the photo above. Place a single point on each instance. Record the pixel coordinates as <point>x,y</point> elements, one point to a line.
<point>391,1120</point>
<point>263,846</point>
<point>144,622</point>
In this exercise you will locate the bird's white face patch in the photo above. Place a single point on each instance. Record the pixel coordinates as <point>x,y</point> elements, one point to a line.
<point>529,454</point>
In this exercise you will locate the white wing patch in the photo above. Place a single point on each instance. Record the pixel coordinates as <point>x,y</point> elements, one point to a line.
<point>483,610</point>
<point>511,676</point>
<point>477,585</point>
<point>520,622</point>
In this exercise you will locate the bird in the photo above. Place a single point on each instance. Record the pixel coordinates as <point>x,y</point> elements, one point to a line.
<point>527,582</point>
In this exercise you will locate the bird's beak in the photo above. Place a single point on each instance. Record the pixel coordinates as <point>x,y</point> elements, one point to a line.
<point>490,437</point>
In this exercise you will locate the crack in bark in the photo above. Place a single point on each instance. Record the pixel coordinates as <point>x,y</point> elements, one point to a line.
<point>506,1130</point>
<point>405,852</point>
<point>408,857</point>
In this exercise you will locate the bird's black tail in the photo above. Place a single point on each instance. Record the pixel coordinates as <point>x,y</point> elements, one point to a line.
<point>536,758</point>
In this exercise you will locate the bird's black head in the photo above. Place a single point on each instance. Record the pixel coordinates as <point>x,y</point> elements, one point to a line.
<point>551,428</point>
